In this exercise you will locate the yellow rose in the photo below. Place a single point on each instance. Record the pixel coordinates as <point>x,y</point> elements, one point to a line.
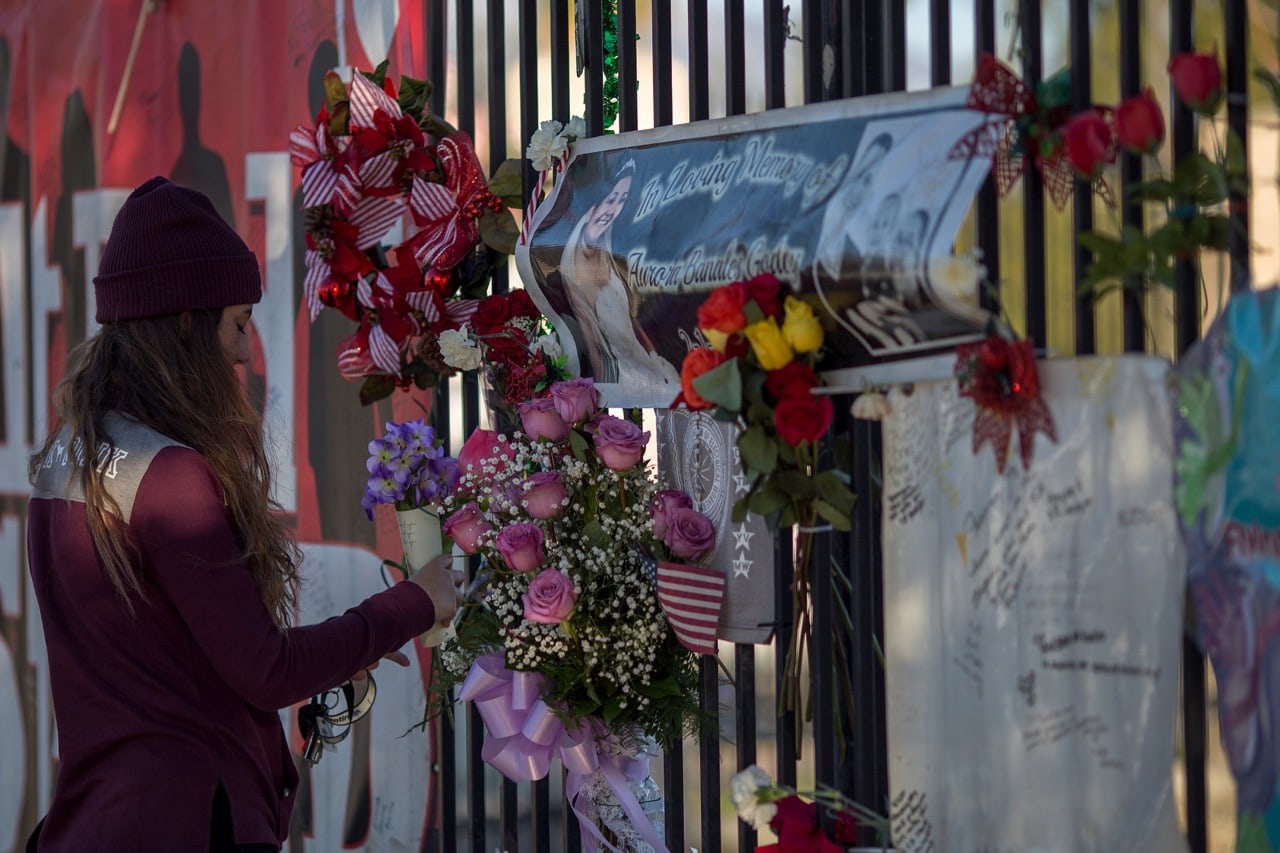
<point>802,330</point>
<point>768,344</point>
<point>718,339</point>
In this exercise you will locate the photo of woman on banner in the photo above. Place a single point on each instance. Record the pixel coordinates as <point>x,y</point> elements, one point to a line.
<point>605,307</point>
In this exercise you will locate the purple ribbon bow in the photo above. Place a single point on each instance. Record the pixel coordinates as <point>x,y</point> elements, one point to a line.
<point>523,735</point>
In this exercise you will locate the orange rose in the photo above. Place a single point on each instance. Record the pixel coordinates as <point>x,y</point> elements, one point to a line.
<point>723,310</point>
<point>696,363</point>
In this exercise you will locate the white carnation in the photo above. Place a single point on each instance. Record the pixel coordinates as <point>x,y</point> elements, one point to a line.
<point>458,350</point>
<point>576,129</point>
<point>548,344</point>
<point>744,790</point>
<point>546,145</point>
<point>958,276</point>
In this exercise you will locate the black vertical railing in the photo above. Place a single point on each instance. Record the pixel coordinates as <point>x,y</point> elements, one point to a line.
<point>869,39</point>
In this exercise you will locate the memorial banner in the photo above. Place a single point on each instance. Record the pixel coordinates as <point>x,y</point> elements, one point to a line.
<point>1033,620</point>
<point>850,203</point>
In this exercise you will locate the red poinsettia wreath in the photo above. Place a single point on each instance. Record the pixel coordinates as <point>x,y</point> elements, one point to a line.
<point>1000,376</point>
<point>367,166</point>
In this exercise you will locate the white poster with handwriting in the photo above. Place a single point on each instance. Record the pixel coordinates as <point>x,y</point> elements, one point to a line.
<point>1033,620</point>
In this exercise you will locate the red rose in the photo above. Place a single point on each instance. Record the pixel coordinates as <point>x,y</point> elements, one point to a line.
<point>1089,143</point>
<point>763,290</point>
<point>1197,78</point>
<point>794,380</point>
<point>796,825</point>
<point>723,310</point>
<point>696,363</point>
<point>520,304</point>
<point>803,418</point>
<point>491,313</point>
<point>1139,123</point>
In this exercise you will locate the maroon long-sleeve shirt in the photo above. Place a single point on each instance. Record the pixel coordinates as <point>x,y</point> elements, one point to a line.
<point>154,710</point>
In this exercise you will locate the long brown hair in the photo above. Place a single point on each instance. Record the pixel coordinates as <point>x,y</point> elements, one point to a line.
<point>170,373</point>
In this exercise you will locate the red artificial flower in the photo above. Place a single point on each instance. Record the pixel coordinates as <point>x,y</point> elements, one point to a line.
<point>795,380</point>
<point>1197,78</point>
<point>1139,123</point>
<point>696,363</point>
<point>1000,376</point>
<point>491,314</point>
<point>722,310</point>
<point>1089,143</point>
<point>798,830</point>
<point>507,345</point>
<point>763,290</point>
<point>521,304</point>
<point>447,212</point>
<point>800,419</point>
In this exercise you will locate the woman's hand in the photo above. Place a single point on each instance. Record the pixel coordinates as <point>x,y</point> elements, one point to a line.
<point>442,585</point>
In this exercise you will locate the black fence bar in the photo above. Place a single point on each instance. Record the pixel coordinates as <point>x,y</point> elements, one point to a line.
<point>709,756</point>
<point>788,718</point>
<point>466,35</point>
<point>1032,187</point>
<point>893,13</point>
<point>437,52</point>
<point>735,53</point>
<point>1082,207</point>
<point>699,66</point>
<point>1187,307</point>
<point>988,205</point>
<point>628,114</point>
<point>591,54</point>
<point>673,796</point>
<point>744,723</point>
<point>529,106</point>
<point>662,63</point>
<point>816,34</point>
<point>939,42</point>
<point>1235,27</point>
<point>509,815</point>
<point>497,88</point>
<point>562,58</point>
<point>775,48</point>
<point>1132,301</point>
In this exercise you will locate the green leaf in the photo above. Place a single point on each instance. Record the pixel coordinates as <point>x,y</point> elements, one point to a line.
<point>661,688</point>
<point>1157,189</point>
<point>740,510</point>
<point>767,499</point>
<point>612,709</point>
<point>837,519</point>
<point>722,385</point>
<point>833,489</point>
<point>793,483</point>
<point>594,533</point>
<point>1099,243</point>
<point>499,231</point>
<point>507,182</point>
<point>1271,82</point>
<point>379,74</point>
<point>578,444</point>
<point>759,450</point>
<point>376,387</point>
<point>413,95</point>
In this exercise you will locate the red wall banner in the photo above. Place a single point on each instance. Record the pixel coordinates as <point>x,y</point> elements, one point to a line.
<point>97,96</point>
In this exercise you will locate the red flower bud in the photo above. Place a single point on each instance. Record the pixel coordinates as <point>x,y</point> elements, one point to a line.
<point>1197,78</point>
<point>1089,142</point>
<point>1139,123</point>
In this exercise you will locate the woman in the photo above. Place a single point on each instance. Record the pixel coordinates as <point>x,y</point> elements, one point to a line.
<point>165,582</point>
<point>618,350</point>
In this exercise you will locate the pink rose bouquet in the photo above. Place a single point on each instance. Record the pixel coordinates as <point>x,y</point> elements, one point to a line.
<point>569,521</point>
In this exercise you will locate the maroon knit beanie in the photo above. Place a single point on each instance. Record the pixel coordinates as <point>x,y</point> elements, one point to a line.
<point>169,252</point>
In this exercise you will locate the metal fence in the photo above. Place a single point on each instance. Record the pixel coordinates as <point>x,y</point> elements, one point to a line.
<point>502,66</point>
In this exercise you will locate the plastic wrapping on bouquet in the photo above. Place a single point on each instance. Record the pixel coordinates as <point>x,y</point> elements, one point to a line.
<point>422,540</point>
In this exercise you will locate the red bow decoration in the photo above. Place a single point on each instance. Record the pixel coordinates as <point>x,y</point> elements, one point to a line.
<point>1000,376</point>
<point>448,212</point>
<point>1030,128</point>
<point>334,259</point>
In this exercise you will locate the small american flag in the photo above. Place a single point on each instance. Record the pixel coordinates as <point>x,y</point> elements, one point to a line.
<point>691,596</point>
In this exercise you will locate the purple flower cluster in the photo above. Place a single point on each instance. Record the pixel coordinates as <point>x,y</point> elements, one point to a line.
<point>409,468</point>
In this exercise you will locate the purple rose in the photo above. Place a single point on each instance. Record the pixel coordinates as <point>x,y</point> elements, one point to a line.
<point>541,420</point>
<point>619,442</point>
<point>575,399</point>
<point>550,598</point>
<point>544,495</point>
<point>663,502</point>
<point>465,527</point>
<point>690,534</point>
<point>520,545</point>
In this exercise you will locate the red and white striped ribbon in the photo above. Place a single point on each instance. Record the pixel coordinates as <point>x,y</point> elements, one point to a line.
<point>536,196</point>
